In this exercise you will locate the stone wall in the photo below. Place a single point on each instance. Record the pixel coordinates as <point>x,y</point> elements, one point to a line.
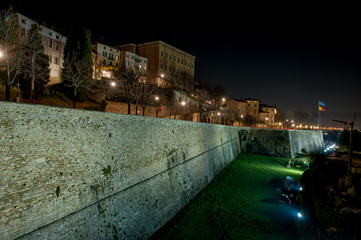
<point>77,174</point>
<point>279,143</point>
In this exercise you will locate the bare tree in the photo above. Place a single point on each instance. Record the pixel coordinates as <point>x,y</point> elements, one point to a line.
<point>12,49</point>
<point>128,86</point>
<point>202,96</point>
<point>146,94</point>
<point>75,75</point>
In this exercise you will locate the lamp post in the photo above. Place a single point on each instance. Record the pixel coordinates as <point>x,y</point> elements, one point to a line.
<point>157,105</point>
<point>266,121</point>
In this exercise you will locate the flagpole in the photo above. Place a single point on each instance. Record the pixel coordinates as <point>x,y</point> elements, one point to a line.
<point>318,116</point>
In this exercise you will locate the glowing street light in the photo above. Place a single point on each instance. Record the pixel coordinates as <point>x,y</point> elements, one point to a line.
<point>156,98</point>
<point>183,103</point>
<point>1,54</point>
<point>162,75</point>
<point>113,84</point>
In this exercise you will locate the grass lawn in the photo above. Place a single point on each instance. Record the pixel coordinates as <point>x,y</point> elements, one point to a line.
<point>240,203</point>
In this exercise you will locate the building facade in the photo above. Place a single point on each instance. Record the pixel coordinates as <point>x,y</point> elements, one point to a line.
<point>105,61</point>
<point>53,43</point>
<point>164,60</point>
<point>251,110</point>
<point>109,59</point>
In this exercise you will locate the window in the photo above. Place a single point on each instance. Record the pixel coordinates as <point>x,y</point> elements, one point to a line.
<point>56,60</point>
<point>170,56</point>
<point>50,59</point>
<point>166,55</point>
<point>56,45</point>
<point>22,32</point>
<point>161,53</point>
<point>50,43</point>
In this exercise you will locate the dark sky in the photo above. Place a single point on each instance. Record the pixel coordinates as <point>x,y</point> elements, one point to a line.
<point>291,56</point>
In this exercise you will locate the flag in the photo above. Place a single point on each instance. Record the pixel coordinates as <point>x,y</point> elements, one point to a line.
<point>321,109</point>
<point>321,103</point>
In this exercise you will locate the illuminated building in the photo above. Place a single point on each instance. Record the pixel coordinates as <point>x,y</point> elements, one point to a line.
<point>164,61</point>
<point>53,43</point>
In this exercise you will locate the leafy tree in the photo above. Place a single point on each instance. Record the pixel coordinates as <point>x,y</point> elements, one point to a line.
<point>35,69</point>
<point>85,52</point>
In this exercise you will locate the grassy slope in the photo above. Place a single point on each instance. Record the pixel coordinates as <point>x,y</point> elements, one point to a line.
<point>240,203</point>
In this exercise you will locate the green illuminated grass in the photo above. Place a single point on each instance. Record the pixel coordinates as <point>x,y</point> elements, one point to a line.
<point>240,203</point>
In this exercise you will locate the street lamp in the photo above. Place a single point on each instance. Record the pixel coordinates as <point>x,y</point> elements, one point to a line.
<point>157,107</point>
<point>113,84</point>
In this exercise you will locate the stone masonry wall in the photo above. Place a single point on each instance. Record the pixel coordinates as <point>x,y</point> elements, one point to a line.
<point>279,143</point>
<point>76,174</point>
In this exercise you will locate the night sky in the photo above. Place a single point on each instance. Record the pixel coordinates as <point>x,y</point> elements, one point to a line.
<point>291,56</point>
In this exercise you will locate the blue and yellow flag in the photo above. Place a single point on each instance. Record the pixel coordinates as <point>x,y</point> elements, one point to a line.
<point>321,106</point>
